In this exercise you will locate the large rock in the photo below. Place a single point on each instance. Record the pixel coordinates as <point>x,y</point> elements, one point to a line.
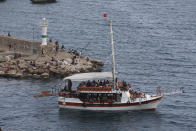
<point>12,66</point>
<point>35,71</point>
<point>36,76</point>
<point>2,59</point>
<point>22,66</point>
<point>29,75</point>
<point>44,75</point>
<point>8,58</point>
<point>30,70</point>
<point>3,65</point>
<point>11,57</point>
<point>2,73</point>
<point>53,70</point>
<point>19,75</point>
<point>12,73</point>
<point>40,70</point>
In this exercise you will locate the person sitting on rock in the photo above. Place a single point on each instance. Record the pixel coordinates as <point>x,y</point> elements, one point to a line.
<point>9,46</point>
<point>73,60</point>
<point>8,69</point>
<point>57,46</point>
<point>72,51</point>
<point>47,64</point>
<point>80,53</point>
<point>9,34</point>
<point>53,50</point>
<point>62,47</point>
<point>52,59</point>
<point>31,63</point>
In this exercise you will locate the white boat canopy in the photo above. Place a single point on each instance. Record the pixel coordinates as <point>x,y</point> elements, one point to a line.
<point>89,76</point>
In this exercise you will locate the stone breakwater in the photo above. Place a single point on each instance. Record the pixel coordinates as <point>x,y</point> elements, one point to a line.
<point>20,58</point>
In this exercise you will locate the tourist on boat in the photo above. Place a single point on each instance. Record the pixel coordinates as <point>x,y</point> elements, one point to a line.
<point>124,84</point>
<point>94,83</point>
<point>97,83</point>
<point>129,85</point>
<point>88,83</point>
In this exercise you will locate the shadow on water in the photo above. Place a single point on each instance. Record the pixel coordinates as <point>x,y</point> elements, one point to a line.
<point>44,2</point>
<point>1,1</point>
<point>119,119</point>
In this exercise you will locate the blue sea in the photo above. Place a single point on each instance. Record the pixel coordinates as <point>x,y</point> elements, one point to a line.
<point>155,46</point>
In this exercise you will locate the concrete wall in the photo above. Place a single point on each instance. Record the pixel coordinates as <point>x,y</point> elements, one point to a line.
<point>19,45</point>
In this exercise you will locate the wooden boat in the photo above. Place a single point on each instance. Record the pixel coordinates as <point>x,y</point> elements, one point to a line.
<point>96,91</point>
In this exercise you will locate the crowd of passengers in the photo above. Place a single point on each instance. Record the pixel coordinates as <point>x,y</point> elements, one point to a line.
<point>95,83</point>
<point>103,83</point>
<point>98,97</point>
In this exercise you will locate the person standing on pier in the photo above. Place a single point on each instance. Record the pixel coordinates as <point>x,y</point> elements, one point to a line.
<point>9,34</point>
<point>57,46</point>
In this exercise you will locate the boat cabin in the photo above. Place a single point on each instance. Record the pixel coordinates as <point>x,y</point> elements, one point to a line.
<point>92,90</point>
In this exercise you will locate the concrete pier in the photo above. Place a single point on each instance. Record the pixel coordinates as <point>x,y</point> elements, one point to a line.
<point>21,58</point>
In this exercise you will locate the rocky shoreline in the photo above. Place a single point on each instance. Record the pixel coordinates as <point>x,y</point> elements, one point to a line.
<point>46,63</point>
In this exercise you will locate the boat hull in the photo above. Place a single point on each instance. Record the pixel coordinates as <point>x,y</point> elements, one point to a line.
<point>146,105</point>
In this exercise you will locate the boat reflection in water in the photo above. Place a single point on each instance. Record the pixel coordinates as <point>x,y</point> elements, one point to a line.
<point>43,1</point>
<point>115,120</point>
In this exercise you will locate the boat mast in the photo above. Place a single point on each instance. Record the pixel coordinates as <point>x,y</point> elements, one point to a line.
<point>113,56</point>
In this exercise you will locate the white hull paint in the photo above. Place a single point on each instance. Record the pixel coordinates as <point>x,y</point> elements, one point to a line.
<point>138,107</point>
<point>149,106</point>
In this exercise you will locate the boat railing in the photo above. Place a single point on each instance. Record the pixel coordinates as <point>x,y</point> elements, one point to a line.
<point>68,94</point>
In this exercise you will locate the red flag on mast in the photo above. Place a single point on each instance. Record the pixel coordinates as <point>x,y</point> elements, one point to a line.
<point>105,15</point>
